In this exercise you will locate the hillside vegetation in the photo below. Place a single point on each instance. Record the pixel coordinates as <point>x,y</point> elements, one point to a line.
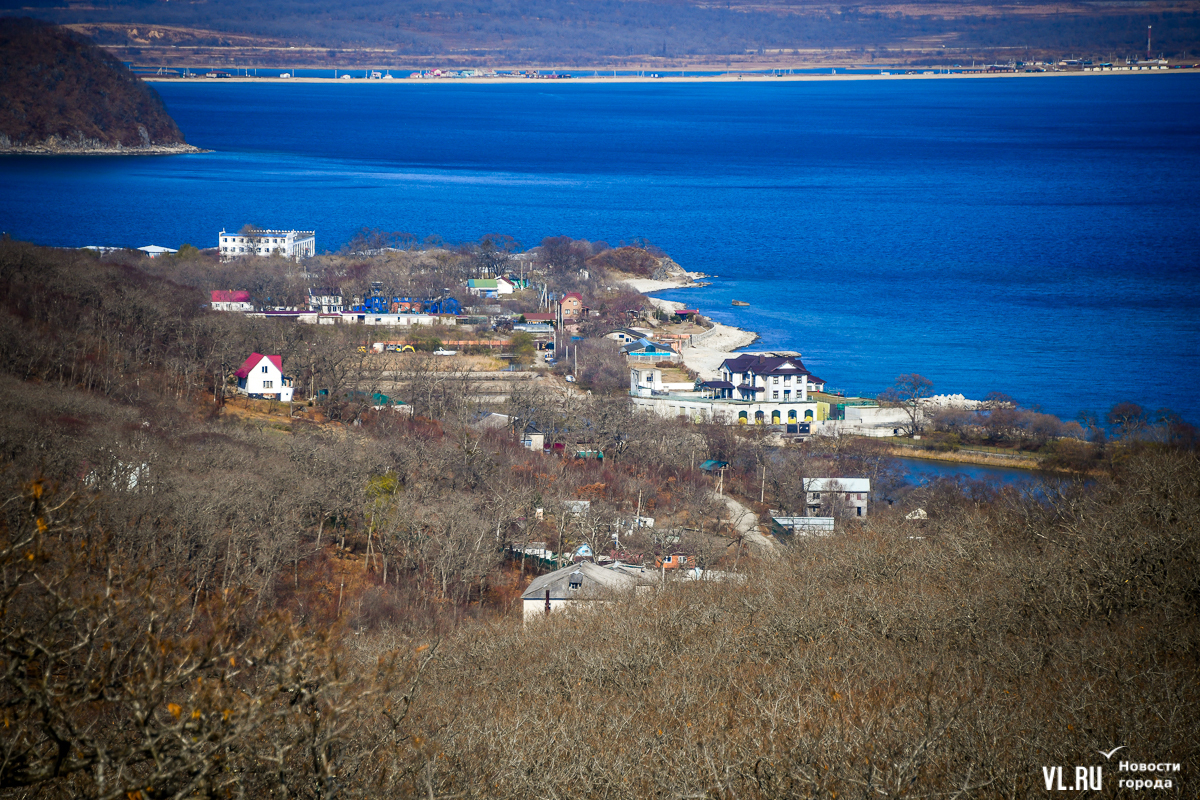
<point>320,602</point>
<point>56,87</point>
<point>650,32</point>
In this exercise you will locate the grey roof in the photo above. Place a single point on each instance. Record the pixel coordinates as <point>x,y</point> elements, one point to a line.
<point>841,484</point>
<point>596,582</point>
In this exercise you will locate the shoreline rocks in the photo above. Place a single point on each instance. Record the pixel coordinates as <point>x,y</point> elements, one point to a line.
<point>58,146</point>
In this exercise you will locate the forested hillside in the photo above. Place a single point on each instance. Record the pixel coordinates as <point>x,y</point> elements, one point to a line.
<point>498,32</point>
<point>55,85</point>
<point>209,597</point>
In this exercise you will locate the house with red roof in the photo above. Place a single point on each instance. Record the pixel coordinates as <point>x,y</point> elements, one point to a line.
<point>229,300</point>
<point>261,377</point>
<point>571,306</point>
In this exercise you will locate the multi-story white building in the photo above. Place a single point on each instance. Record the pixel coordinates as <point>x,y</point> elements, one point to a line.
<point>289,244</point>
<point>754,389</point>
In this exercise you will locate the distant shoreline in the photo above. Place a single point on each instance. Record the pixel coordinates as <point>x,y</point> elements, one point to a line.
<point>727,78</point>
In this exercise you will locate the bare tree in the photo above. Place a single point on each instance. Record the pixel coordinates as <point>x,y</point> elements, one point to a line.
<point>907,393</point>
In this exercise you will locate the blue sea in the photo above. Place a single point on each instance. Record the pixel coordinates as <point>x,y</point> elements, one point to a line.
<point>1039,237</point>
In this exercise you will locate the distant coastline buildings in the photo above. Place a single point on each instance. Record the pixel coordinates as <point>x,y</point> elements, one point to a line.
<point>256,242</point>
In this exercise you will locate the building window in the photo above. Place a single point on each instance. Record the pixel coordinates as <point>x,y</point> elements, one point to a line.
<point>775,379</point>
<point>268,384</point>
<point>775,395</point>
<point>264,369</point>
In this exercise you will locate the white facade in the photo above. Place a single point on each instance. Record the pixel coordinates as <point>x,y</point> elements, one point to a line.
<point>389,320</point>
<point>263,377</point>
<point>647,391</point>
<point>289,244</point>
<point>325,301</point>
<point>849,494</point>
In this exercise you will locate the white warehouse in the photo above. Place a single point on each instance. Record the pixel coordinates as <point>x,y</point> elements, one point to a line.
<point>289,244</point>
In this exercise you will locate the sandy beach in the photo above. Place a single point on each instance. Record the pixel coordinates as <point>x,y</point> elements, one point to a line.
<point>705,357</point>
<point>833,75</point>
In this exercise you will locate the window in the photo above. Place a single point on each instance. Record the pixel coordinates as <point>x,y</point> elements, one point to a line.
<point>787,378</point>
<point>268,384</point>
<point>775,395</point>
<point>264,369</point>
<point>775,379</point>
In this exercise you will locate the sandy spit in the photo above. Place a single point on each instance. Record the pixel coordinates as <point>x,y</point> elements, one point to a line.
<point>706,357</point>
<point>668,79</point>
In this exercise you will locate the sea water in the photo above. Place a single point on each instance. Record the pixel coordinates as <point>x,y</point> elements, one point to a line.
<point>1035,236</point>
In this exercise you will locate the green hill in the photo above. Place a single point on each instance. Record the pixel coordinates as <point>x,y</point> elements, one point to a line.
<point>61,94</point>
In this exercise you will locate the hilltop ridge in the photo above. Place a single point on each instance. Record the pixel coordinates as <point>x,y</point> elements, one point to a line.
<point>59,94</point>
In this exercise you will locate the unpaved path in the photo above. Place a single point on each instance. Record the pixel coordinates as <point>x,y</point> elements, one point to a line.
<point>746,522</point>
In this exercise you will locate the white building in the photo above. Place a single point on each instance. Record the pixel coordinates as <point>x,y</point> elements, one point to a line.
<point>231,300</point>
<point>262,376</point>
<point>848,496</point>
<point>326,301</point>
<point>753,389</point>
<point>289,244</point>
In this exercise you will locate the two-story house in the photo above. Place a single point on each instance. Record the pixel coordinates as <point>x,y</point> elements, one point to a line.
<point>759,376</point>
<point>326,300</point>
<point>571,306</point>
<point>837,496</point>
<point>262,377</point>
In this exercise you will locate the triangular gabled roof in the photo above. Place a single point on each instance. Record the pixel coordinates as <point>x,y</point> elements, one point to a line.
<point>254,360</point>
<point>230,296</point>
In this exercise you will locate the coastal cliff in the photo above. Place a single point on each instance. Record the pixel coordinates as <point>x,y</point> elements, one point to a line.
<point>62,95</point>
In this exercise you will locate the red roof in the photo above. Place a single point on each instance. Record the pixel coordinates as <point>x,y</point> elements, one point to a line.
<point>254,360</point>
<point>575,295</point>
<point>230,296</point>
<point>539,317</point>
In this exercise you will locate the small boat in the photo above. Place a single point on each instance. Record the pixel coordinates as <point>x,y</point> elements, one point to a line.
<point>740,303</point>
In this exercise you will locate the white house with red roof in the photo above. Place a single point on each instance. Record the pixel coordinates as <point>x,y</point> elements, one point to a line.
<point>262,377</point>
<point>230,300</point>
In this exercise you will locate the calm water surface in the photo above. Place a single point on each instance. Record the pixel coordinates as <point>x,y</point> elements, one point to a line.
<point>1035,236</point>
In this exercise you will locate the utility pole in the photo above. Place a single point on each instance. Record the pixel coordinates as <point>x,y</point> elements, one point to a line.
<point>1148,27</point>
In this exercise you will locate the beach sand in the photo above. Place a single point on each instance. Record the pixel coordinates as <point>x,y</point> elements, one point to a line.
<point>601,78</point>
<point>705,358</point>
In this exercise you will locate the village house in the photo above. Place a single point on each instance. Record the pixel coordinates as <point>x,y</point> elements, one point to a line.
<point>571,308</point>
<point>646,350</point>
<point>581,585</point>
<point>228,300</point>
<point>289,244</point>
<point>262,377</point>
<point>490,287</point>
<point>326,300</point>
<point>627,335</point>
<point>839,496</point>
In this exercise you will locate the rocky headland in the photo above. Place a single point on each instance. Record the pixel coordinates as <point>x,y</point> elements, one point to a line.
<point>61,95</point>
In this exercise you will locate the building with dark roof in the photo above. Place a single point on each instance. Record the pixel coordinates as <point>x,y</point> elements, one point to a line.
<point>753,388</point>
